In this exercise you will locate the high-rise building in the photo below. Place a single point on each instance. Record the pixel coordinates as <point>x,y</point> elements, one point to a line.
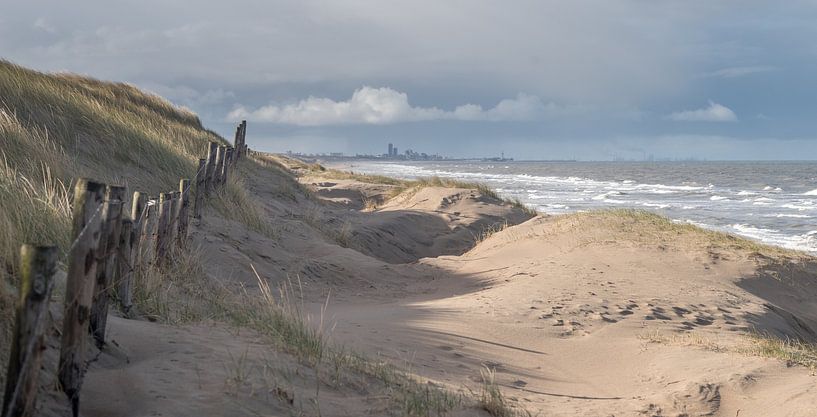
<point>395,152</point>
<point>391,150</point>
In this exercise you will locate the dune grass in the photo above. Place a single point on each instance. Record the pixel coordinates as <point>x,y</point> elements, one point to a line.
<point>791,351</point>
<point>234,202</point>
<point>637,224</point>
<point>55,128</point>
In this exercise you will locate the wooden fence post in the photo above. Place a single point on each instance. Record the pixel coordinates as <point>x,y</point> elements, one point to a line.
<point>237,140</point>
<point>125,263</point>
<point>138,213</point>
<point>184,208</point>
<point>226,168</point>
<point>211,168</point>
<point>147,244</point>
<point>107,266</point>
<point>243,138</point>
<point>241,141</point>
<point>87,221</point>
<point>220,153</point>
<point>199,197</point>
<point>162,228</point>
<point>37,267</point>
<point>173,225</point>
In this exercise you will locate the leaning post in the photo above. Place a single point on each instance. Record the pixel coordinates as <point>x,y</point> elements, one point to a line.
<point>107,260</point>
<point>125,264</point>
<point>37,267</point>
<point>199,196</point>
<point>226,169</point>
<point>184,208</point>
<point>237,139</point>
<point>80,279</point>
<point>138,213</point>
<point>162,228</point>
<point>146,252</point>
<point>218,180</point>
<point>211,168</point>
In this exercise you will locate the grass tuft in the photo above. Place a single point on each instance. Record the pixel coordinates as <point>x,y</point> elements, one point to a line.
<point>234,202</point>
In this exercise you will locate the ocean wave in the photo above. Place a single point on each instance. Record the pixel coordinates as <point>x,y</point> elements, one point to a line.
<point>788,215</point>
<point>805,242</point>
<point>718,198</point>
<point>799,207</point>
<point>812,192</point>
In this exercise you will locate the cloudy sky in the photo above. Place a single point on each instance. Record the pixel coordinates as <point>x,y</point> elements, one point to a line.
<point>590,79</point>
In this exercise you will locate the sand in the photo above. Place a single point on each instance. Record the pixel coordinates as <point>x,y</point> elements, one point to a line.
<point>580,315</point>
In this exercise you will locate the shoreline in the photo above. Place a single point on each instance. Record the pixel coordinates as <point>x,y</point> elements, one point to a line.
<point>782,228</point>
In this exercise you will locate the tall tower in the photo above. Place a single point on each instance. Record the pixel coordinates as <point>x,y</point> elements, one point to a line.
<point>391,150</point>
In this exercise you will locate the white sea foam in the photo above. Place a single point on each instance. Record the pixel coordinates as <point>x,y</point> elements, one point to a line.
<point>812,192</point>
<point>718,198</point>
<point>790,216</point>
<point>805,242</point>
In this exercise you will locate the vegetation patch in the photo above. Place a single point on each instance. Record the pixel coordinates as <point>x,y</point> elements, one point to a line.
<point>792,352</point>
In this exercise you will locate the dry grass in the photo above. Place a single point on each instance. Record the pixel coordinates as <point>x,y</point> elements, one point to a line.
<point>793,352</point>
<point>790,351</point>
<point>179,293</point>
<point>644,226</point>
<point>234,202</point>
<point>489,231</point>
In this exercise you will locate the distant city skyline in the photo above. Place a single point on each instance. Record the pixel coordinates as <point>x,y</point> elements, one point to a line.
<point>594,80</point>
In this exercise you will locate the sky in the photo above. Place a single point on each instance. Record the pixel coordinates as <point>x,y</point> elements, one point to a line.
<point>539,79</point>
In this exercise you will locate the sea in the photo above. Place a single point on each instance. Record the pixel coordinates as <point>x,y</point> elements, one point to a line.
<point>770,202</point>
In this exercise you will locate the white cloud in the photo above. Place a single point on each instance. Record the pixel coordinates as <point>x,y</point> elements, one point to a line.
<point>42,24</point>
<point>733,72</point>
<point>714,113</point>
<point>370,105</point>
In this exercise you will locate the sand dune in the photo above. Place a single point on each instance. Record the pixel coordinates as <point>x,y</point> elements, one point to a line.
<point>597,314</point>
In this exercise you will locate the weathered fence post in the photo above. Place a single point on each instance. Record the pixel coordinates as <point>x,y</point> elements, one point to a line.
<point>162,228</point>
<point>211,168</point>
<point>37,267</point>
<point>173,225</point>
<point>228,163</point>
<point>81,277</point>
<point>237,140</point>
<point>217,178</point>
<point>184,208</point>
<point>243,138</point>
<point>199,197</point>
<point>147,244</point>
<point>138,213</point>
<point>125,261</point>
<point>107,266</point>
